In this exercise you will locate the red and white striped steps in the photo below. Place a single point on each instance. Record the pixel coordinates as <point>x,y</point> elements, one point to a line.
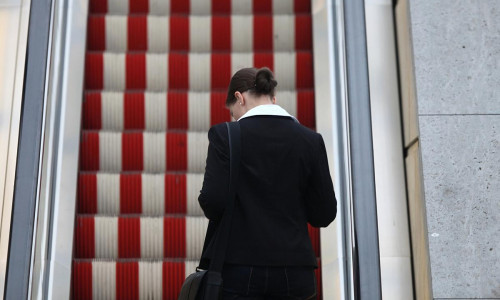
<point>143,151</point>
<point>126,279</point>
<point>156,78</point>
<point>139,193</point>
<point>129,279</point>
<point>199,7</point>
<point>113,237</point>
<point>218,33</point>
<point>134,237</point>
<point>200,72</point>
<point>176,110</point>
<point>146,195</point>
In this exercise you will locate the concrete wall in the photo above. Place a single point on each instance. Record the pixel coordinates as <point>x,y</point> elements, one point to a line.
<point>456,59</point>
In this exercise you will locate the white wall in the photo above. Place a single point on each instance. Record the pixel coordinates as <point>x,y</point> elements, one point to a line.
<point>14,17</point>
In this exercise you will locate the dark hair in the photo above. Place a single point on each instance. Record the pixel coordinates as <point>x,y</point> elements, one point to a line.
<point>256,81</point>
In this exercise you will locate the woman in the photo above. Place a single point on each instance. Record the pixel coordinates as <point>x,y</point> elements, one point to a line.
<point>284,183</point>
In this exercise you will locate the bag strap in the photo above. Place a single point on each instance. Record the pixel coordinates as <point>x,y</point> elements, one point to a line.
<point>222,237</point>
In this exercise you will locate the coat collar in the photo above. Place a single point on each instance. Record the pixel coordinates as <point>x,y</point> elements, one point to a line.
<point>268,110</point>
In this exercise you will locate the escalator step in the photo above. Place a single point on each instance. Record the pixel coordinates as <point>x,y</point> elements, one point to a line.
<point>112,237</point>
<point>140,237</point>
<point>237,33</point>
<point>200,72</point>
<point>100,279</point>
<point>178,110</point>
<point>199,7</point>
<point>143,151</point>
<point>139,193</point>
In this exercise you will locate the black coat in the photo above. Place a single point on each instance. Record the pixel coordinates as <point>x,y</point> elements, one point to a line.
<point>284,183</point>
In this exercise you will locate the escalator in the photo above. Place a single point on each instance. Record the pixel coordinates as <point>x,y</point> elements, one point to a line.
<point>156,74</point>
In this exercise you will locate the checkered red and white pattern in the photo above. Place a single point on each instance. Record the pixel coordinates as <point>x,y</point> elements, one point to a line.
<point>139,279</point>
<point>142,279</point>
<point>197,72</point>
<point>139,193</point>
<point>111,237</point>
<point>191,111</point>
<point>199,33</point>
<point>155,82</point>
<point>140,237</point>
<point>143,151</point>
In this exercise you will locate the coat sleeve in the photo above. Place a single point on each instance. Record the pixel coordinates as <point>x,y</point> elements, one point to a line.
<point>321,205</point>
<point>215,190</point>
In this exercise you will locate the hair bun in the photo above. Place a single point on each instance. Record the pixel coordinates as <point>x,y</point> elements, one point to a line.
<point>265,82</point>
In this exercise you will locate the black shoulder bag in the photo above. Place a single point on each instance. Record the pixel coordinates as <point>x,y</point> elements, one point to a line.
<point>207,284</point>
